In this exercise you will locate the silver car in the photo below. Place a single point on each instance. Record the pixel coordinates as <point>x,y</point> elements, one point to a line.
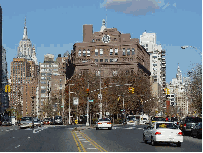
<point>37,122</point>
<point>26,122</point>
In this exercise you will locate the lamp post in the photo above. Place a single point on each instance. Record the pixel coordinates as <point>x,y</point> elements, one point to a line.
<point>69,103</point>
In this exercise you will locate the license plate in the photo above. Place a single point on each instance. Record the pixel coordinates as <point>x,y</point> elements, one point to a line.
<point>171,138</point>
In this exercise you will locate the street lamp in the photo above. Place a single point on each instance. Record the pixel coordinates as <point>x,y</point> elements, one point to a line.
<point>69,103</point>
<point>184,47</point>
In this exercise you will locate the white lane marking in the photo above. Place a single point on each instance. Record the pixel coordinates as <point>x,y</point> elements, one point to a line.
<point>82,139</point>
<point>91,148</point>
<point>139,128</point>
<point>28,137</point>
<point>17,146</point>
<point>11,129</point>
<point>13,137</point>
<point>85,141</point>
<point>7,130</point>
<point>79,137</point>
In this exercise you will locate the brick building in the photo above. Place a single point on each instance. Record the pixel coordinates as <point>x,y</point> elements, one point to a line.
<point>110,51</point>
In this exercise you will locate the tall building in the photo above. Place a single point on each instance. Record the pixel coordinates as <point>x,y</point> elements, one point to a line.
<point>25,48</point>
<point>157,65</point>
<point>111,50</point>
<point>24,80</point>
<point>52,79</point>
<point>180,88</point>
<point>4,95</point>
<point>1,58</point>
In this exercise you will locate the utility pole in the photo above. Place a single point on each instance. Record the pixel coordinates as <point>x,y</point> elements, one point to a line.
<point>69,104</point>
<point>87,123</point>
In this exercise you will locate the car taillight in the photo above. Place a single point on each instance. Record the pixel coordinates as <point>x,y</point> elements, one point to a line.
<point>99,123</point>
<point>180,133</point>
<point>157,133</point>
<point>108,122</point>
<point>184,125</point>
<point>177,123</point>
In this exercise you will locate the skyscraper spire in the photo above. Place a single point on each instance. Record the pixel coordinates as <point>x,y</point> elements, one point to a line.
<point>25,31</point>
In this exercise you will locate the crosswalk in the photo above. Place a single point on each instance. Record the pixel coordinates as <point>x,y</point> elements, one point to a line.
<point>126,128</point>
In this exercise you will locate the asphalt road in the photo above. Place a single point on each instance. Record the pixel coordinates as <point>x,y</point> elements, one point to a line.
<point>65,139</point>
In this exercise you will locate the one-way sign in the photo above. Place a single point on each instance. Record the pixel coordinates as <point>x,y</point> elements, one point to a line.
<point>100,96</point>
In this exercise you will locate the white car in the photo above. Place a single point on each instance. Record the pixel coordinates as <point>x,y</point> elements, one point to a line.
<point>163,132</point>
<point>103,123</point>
<point>26,122</point>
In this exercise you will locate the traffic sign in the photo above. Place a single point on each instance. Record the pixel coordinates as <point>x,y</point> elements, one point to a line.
<point>75,101</point>
<point>100,96</point>
<point>90,101</point>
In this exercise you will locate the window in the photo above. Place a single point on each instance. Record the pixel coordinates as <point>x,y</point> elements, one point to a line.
<point>128,51</point>
<point>116,51</point>
<point>96,52</point>
<point>101,52</point>
<point>88,53</point>
<point>101,60</point>
<point>146,49</point>
<point>146,45</point>
<point>154,64</point>
<point>111,51</point>
<point>111,60</point>
<point>79,53</point>
<point>123,51</point>
<point>84,53</point>
<point>96,60</point>
<point>133,51</point>
<point>154,56</point>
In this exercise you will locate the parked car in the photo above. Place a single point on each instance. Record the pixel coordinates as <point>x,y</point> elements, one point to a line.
<point>103,123</point>
<point>196,131</point>
<point>6,123</point>
<point>58,120</point>
<point>48,121</point>
<point>37,122</point>
<point>187,123</point>
<point>162,131</point>
<point>26,122</point>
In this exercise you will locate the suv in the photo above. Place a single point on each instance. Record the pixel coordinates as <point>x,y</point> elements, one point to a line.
<point>187,123</point>
<point>58,120</point>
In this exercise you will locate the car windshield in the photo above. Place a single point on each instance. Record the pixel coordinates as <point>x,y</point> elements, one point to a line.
<point>131,118</point>
<point>47,119</point>
<point>166,125</point>
<point>192,120</point>
<point>158,119</point>
<point>36,119</point>
<point>104,119</point>
<point>26,119</point>
<point>58,117</point>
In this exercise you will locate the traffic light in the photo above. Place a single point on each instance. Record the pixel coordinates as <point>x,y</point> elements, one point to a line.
<point>7,88</point>
<point>167,92</point>
<point>133,89</point>
<point>118,98</point>
<point>129,89</point>
<point>87,90</point>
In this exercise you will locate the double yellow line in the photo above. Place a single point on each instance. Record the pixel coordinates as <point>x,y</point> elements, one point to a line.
<point>93,142</point>
<point>88,139</point>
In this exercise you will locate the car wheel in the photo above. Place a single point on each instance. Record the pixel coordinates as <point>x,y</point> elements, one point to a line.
<point>144,139</point>
<point>110,128</point>
<point>153,142</point>
<point>178,144</point>
<point>97,128</point>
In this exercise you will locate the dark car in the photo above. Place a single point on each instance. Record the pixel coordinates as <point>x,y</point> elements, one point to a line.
<point>58,120</point>
<point>48,121</point>
<point>187,123</point>
<point>197,130</point>
<point>6,123</point>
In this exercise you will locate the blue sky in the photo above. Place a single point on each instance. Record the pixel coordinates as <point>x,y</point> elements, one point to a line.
<point>54,26</point>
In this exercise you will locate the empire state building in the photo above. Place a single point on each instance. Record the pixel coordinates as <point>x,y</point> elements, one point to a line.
<point>25,48</point>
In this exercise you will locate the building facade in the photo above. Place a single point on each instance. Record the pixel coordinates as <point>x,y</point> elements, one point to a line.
<point>24,80</point>
<point>4,95</point>
<point>1,58</point>
<point>157,66</point>
<point>108,51</point>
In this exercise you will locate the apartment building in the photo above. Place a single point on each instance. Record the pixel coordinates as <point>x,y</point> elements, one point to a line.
<point>108,51</point>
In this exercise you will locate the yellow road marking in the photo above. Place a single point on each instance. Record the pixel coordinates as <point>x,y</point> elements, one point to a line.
<point>76,142</point>
<point>93,142</point>
<point>80,142</point>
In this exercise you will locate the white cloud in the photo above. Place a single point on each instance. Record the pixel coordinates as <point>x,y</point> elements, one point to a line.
<point>135,7</point>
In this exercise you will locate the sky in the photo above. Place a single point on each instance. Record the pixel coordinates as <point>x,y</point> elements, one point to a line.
<point>54,26</point>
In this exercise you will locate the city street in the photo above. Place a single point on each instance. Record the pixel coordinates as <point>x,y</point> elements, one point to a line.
<point>65,139</point>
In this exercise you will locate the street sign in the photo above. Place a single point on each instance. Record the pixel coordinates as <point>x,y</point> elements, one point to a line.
<point>90,101</point>
<point>100,96</point>
<point>75,101</point>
